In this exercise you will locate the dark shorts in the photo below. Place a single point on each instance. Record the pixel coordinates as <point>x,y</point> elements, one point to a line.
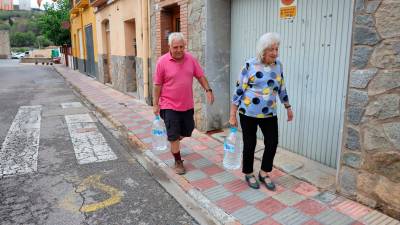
<point>178,124</point>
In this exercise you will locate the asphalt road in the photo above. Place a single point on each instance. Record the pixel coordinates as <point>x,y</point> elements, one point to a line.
<point>56,167</point>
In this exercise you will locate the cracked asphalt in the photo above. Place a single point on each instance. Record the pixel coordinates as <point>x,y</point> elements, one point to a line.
<point>62,191</point>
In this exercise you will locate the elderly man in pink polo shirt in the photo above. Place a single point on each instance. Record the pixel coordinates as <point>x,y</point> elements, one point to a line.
<point>173,93</point>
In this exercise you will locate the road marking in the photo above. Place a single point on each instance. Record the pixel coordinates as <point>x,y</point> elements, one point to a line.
<point>19,151</point>
<point>68,105</point>
<point>89,144</point>
<point>93,181</point>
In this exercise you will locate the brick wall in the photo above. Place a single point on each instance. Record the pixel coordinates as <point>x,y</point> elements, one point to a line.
<point>162,22</point>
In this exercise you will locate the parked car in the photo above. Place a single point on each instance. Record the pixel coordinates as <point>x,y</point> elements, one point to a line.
<point>17,55</point>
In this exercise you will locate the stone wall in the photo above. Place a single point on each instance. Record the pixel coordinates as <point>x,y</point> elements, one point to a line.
<point>196,46</point>
<point>139,78</point>
<point>4,44</point>
<point>102,68</point>
<point>123,73</point>
<point>370,162</point>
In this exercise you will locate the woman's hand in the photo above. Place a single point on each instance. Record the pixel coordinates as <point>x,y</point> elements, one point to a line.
<point>233,121</point>
<point>289,114</point>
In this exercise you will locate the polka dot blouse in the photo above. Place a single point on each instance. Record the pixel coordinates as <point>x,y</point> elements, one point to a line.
<point>257,89</point>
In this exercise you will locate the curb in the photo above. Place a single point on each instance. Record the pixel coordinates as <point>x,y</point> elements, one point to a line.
<point>210,208</point>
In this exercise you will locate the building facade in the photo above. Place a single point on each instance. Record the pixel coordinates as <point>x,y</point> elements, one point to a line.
<point>25,5</point>
<point>124,66</point>
<point>6,5</point>
<point>83,37</point>
<point>341,59</point>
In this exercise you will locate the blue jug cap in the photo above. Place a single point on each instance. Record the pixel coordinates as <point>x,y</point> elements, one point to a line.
<point>233,129</point>
<point>158,117</point>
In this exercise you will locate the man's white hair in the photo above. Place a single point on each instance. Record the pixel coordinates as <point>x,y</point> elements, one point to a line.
<point>175,36</point>
<point>266,41</point>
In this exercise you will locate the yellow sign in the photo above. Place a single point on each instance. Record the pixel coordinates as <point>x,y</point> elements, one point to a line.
<point>288,9</point>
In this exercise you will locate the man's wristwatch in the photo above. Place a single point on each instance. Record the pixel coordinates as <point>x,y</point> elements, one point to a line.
<point>209,90</point>
<point>288,106</point>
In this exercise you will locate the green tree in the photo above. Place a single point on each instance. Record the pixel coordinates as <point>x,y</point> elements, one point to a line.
<point>20,39</point>
<point>42,41</point>
<point>4,26</point>
<point>50,23</point>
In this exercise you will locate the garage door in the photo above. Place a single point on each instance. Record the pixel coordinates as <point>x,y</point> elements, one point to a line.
<point>315,52</point>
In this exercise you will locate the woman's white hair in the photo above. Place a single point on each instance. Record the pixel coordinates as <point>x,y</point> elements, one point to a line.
<point>175,36</point>
<point>266,41</point>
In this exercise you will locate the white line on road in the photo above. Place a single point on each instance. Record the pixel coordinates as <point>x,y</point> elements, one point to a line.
<point>19,151</point>
<point>89,144</point>
<point>68,105</point>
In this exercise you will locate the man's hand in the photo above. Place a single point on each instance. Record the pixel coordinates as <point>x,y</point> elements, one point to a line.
<point>289,114</point>
<point>156,110</point>
<point>210,97</point>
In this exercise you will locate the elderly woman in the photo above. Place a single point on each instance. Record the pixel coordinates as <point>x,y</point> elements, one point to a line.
<point>260,82</point>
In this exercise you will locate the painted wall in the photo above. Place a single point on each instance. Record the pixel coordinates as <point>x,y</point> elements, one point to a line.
<point>80,21</point>
<point>118,13</point>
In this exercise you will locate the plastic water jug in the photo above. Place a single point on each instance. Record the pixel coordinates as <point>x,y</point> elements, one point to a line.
<point>159,135</point>
<point>232,151</point>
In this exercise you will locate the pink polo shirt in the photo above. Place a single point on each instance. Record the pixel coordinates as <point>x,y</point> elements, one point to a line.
<point>176,80</point>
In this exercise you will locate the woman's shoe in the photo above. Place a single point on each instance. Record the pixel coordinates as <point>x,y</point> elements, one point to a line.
<point>255,184</point>
<point>268,182</point>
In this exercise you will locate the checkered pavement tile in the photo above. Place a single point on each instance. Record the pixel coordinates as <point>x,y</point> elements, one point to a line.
<point>278,189</point>
<point>377,218</point>
<point>290,216</point>
<point>192,156</point>
<point>352,209</point>
<point>270,206</point>
<point>186,151</point>
<point>216,193</point>
<point>195,175</point>
<point>204,184</point>
<point>249,215</point>
<point>236,186</point>
<point>333,217</point>
<point>314,222</point>
<point>326,197</point>
<point>212,170</point>
<point>306,189</point>
<point>252,196</point>
<point>310,207</point>
<point>267,221</point>
<point>289,198</point>
<point>165,156</point>
<point>287,181</point>
<point>275,173</point>
<point>231,203</point>
<point>224,177</point>
<point>201,163</point>
<point>200,147</point>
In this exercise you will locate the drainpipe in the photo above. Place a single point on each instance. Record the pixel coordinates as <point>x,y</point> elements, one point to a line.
<point>83,37</point>
<point>145,30</point>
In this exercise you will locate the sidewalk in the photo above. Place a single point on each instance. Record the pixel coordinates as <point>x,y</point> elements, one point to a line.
<point>224,194</point>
